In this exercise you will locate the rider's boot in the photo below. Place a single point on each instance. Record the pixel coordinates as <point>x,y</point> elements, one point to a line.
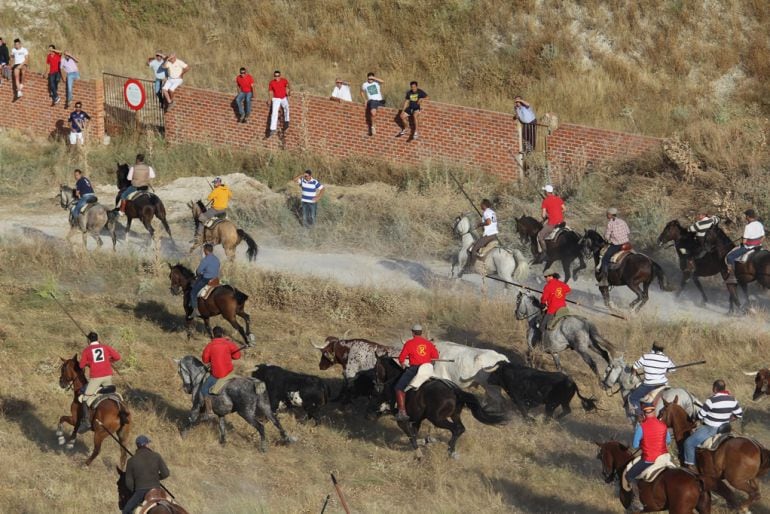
<point>85,422</point>
<point>401,403</point>
<point>209,412</point>
<point>122,208</point>
<point>636,502</point>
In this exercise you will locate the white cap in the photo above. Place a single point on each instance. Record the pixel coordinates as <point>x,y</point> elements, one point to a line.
<point>416,327</point>
<point>548,188</point>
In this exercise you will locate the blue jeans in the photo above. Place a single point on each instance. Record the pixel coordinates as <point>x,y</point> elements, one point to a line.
<point>243,100</point>
<point>406,377</point>
<point>640,392</point>
<point>80,203</point>
<point>157,85</point>
<point>612,250</point>
<point>737,253</point>
<point>53,85</point>
<point>636,470</point>
<point>208,384</point>
<point>692,442</point>
<point>71,78</point>
<point>309,210</point>
<point>136,499</point>
<point>196,288</point>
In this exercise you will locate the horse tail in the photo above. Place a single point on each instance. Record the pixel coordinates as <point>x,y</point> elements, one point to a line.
<point>486,416</point>
<point>588,404</point>
<point>521,270</point>
<point>124,416</point>
<point>251,251</point>
<point>240,296</point>
<point>657,271</point>
<point>605,348</point>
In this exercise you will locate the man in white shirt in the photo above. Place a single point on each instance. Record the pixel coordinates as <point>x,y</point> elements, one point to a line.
<point>655,365</point>
<point>489,222</point>
<point>371,92</point>
<point>341,91</point>
<point>753,235</point>
<point>176,68</point>
<point>20,57</point>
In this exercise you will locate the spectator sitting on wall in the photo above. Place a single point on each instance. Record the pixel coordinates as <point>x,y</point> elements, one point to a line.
<point>53,60</point>
<point>371,92</point>
<point>159,73</point>
<point>412,100</point>
<point>5,58</point>
<point>176,69</point>
<point>69,65</point>
<point>78,119</point>
<point>20,58</point>
<point>526,116</point>
<point>246,89</point>
<point>341,91</point>
<point>278,90</point>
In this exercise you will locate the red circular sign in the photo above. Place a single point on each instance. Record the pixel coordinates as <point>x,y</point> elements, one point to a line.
<point>133,94</point>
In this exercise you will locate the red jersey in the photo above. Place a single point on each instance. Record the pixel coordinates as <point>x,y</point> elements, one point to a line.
<point>245,82</point>
<point>53,61</point>
<point>99,358</point>
<point>553,206</point>
<point>555,295</point>
<point>278,87</point>
<point>419,351</point>
<point>653,438</point>
<point>220,352</point>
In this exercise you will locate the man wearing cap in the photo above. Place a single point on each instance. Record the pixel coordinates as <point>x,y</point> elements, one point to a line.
<point>312,191</point>
<point>421,353</point>
<point>553,209</point>
<point>141,176</point>
<point>144,471</point>
<point>98,358</point>
<point>753,235</point>
<point>489,223</point>
<point>652,437</point>
<point>655,365</point>
<point>553,299</point>
<point>207,270</point>
<point>218,199</point>
<point>617,235</point>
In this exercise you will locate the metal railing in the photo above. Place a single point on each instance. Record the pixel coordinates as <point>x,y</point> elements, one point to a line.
<point>118,118</point>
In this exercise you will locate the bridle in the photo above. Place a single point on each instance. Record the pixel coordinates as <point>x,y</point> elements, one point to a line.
<point>457,222</point>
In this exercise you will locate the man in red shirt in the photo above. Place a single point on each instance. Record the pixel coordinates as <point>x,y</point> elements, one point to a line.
<point>554,297</point>
<point>553,214</point>
<point>220,353</point>
<point>421,354</point>
<point>98,357</point>
<point>278,89</point>
<point>246,88</point>
<point>652,436</point>
<point>53,60</point>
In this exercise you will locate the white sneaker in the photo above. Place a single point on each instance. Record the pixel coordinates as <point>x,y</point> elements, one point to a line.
<point>19,94</point>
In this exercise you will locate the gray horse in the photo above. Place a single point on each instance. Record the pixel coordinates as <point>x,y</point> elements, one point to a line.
<point>92,222</point>
<point>572,332</point>
<point>620,374</point>
<point>246,396</point>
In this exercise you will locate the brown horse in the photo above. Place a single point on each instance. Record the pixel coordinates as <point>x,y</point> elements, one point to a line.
<point>675,490</point>
<point>686,248</point>
<point>144,207</point>
<point>226,301</point>
<point>224,233</point>
<point>164,503</point>
<point>108,415</point>
<point>565,248</point>
<point>738,461</point>
<point>635,271</point>
<point>676,418</point>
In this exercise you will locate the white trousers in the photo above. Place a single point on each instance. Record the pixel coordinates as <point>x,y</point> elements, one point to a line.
<point>277,104</point>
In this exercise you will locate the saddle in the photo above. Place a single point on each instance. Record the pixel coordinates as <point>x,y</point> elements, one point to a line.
<point>216,220</point>
<point>156,496</point>
<point>713,442</point>
<point>135,195</point>
<point>206,290</point>
<point>484,251</point>
<point>112,395</point>
<point>661,464</point>
<point>90,202</point>
<point>746,257</point>
<point>561,227</point>
<point>560,316</point>
<point>221,383</point>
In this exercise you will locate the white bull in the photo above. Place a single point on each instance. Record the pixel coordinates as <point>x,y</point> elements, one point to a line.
<point>470,366</point>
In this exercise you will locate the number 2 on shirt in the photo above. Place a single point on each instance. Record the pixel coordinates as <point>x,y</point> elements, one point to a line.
<point>98,354</point>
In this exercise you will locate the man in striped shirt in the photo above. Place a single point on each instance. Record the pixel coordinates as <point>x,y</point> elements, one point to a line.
<point>718,410</point>
<point>312,191</point>
<point>655,365</point>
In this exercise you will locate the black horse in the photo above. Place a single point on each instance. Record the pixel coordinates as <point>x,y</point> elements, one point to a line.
<point>438,401</point>
<point>565,248</point>
<point>691,264</point>
<point>635,271</point>
<point>143,207</point>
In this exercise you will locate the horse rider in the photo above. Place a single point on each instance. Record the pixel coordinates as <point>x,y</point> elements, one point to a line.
<point>218,199</point>
<point>489,222</point>
<point>140,175</point>
<point>84,192</point>
<point>651,435</point>
<point>553,210</point>
<point>753,235</point>
<point>699,227</point>
<point>553,299</point>
<point>207,270</point>
<point>617,235</point>
<point>421,354</point>
<point>144,471</point>
<point>98,357</point>
<point>655,365</point>
<point>220,353</point>
<point>715,413</point>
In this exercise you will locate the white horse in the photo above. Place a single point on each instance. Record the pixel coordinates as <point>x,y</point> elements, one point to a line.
<point>506,264</point>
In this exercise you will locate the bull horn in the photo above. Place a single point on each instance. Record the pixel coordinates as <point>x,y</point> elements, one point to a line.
<point>345,335</point>
<point>317,347</point>
<point>750,373</point>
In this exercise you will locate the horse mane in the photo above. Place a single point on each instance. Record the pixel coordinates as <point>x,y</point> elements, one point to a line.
<point>184,270</point>
<point>722,238</point>
<point>200,205</point>
<point>122,173</point>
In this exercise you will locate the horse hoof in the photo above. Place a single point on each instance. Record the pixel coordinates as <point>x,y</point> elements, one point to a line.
<point>252,339</point>
<point>61,440</point>
<point>290,439</point>
<point>69,446</point>
<point>454,455</point>
<point>263,447</point>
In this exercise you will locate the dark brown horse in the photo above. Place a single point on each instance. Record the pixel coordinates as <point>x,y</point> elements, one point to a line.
<point>635,271</point>
<point>108,415</point>
<point>163,502</point>
<point>757,268</point>
<point>739,461</point>
<point>565,248</point>
<point>226,301</point>
<point>224,233</point>
<point>144,207</point>
<point>687,248</point>
<point>675,490</point>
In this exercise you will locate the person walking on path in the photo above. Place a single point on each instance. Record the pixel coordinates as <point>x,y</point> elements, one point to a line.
<point>278,90</point>
<point>53,61</point>
<point>312,191</point>
<point>246,89</point>
<point>69,66</point>
<point>411,108</point>
<point>176,69</point>
<point>144,471</point>
<point>20,57</point>
<point>371,92</point>
<point>526,116</point>
<point>78,119</point>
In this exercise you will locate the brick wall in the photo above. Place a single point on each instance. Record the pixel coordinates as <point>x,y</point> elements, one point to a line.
<point>34,115</point>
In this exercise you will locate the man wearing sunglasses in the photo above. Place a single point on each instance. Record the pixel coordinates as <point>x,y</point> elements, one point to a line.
<point>279,91</point>
<point>245,83</point>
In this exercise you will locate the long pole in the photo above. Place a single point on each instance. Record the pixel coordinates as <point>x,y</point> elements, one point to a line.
<point>339,493</point>
<point>464,193</point>
<point>688,365</point>
<point>127,450</point>
<point>68,314</point>
<point>573,302</point>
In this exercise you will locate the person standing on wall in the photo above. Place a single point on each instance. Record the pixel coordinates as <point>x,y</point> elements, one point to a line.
<point>278,90</point>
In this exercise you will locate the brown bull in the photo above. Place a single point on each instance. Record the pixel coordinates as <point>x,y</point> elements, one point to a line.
<point>761,383</point>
